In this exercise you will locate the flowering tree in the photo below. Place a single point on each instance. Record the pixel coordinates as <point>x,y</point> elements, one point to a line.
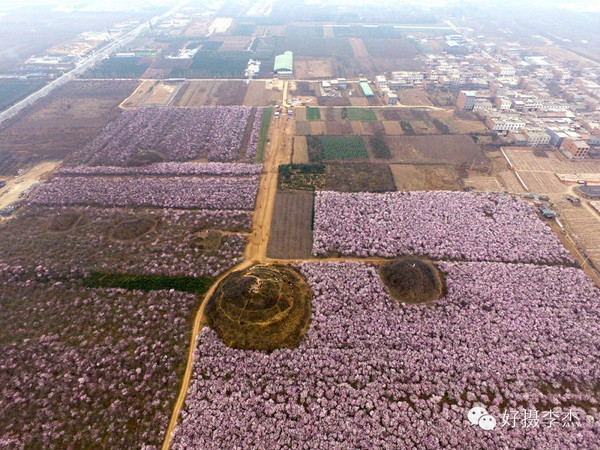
<point>440,224</point>
<point>179,134</point>
<point>88,368</point>
<point>372,373</point>
<point>193,192</point>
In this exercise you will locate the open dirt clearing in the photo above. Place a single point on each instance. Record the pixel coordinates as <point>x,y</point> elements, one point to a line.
<point>259,94</point>
<point>392,127</point>
<point>435,149</point>
<point>308,68</point>
<point>414,97</point>
<point>414,177</point>
<point>524,159</point>
<point>291,232</point>
<point>15,186</point>
<point>211,93</point>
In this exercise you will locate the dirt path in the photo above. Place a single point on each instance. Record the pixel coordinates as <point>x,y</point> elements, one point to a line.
<point>15,186</point>
<point>278,152</point>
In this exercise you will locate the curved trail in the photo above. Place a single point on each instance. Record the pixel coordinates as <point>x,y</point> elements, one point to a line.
<point>278,152</point>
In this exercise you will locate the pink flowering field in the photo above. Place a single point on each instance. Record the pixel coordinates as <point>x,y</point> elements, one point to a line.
<point>88,368</point>
<point>166,249</point>
<point>372,373</point>
<point>178,134</point>
<point>439,224</point>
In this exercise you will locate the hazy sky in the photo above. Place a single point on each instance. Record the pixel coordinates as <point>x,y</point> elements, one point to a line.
<point>581,5</point>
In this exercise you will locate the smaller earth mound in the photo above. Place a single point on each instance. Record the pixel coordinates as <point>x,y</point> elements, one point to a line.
<point>131,229</point>
<point>64,220</point>
<point>412,280</point>
<point>206,240</point>
<point>262,308</point>
<point>145,157</point>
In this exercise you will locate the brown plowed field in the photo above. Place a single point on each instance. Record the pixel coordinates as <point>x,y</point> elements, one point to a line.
<point>291,231</point>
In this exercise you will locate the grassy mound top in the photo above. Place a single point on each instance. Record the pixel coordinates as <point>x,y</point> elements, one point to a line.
<point>262,308</point>
<point>412,280</point>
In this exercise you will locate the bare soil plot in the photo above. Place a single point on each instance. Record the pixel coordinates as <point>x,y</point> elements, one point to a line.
<point>211,93</point>
<point>258,94</point>
<point>361,56</point>
<point>415,97</point>
<point>524,159</point>
<point>543,182</point>
<point>466,126</point>
<point>291,227</point>
<point>334,101</point>
<point>584,227</point>
<point>303,128</point>
<point>61,123</point>
<point>452,149</point>
<point>334,128</point>
<point>300,155</point>
<point>424,127</point>
<point>161,93</point>
<point>308,68</point>
<point>138,96</point>
<point>413,177</point>
<point>317,127</point>
<point>509,181</point>
<point>14,187</point>
<point>359,177</point>
<point>482,183</point>
<point>357,129</point>
<point>392,127</point>
<point>198,27</point>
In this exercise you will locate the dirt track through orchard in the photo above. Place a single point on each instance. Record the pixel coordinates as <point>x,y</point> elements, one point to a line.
<point>278,152</point>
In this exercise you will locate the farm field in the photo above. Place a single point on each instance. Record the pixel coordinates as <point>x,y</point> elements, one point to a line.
<point>413,177</point>
<point>358,114</point>
<point>114,67</point>
<point>307,68</point>
<point>60,124</point>
<point>291,228</point>
<point>358,177</point>
<point>313,113</point>
<point>11,91</point>
<point>539,174</point>
<point>185,266</point>
<point>340,147</point>
<point>152,93</point>
<point>144,135</point>
<point>210,93</point>
<point>452,149</point>
<point>300,155</point>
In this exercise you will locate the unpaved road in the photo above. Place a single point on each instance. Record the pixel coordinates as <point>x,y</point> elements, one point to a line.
<point>277,152</point>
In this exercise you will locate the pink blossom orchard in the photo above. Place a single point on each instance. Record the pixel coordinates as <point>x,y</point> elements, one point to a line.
<point>179,133</point>
<point>165,250</point>
<point>439,224</point>
<point>88,368</point>
<point>168,168</point>
<point>372,373</point>
<point>193,192</point>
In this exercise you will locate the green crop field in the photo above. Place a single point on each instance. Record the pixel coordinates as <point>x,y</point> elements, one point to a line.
<point>264,131</point>
<point>313,113</point>
<point>360,114</point>
<point>342,147</point>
